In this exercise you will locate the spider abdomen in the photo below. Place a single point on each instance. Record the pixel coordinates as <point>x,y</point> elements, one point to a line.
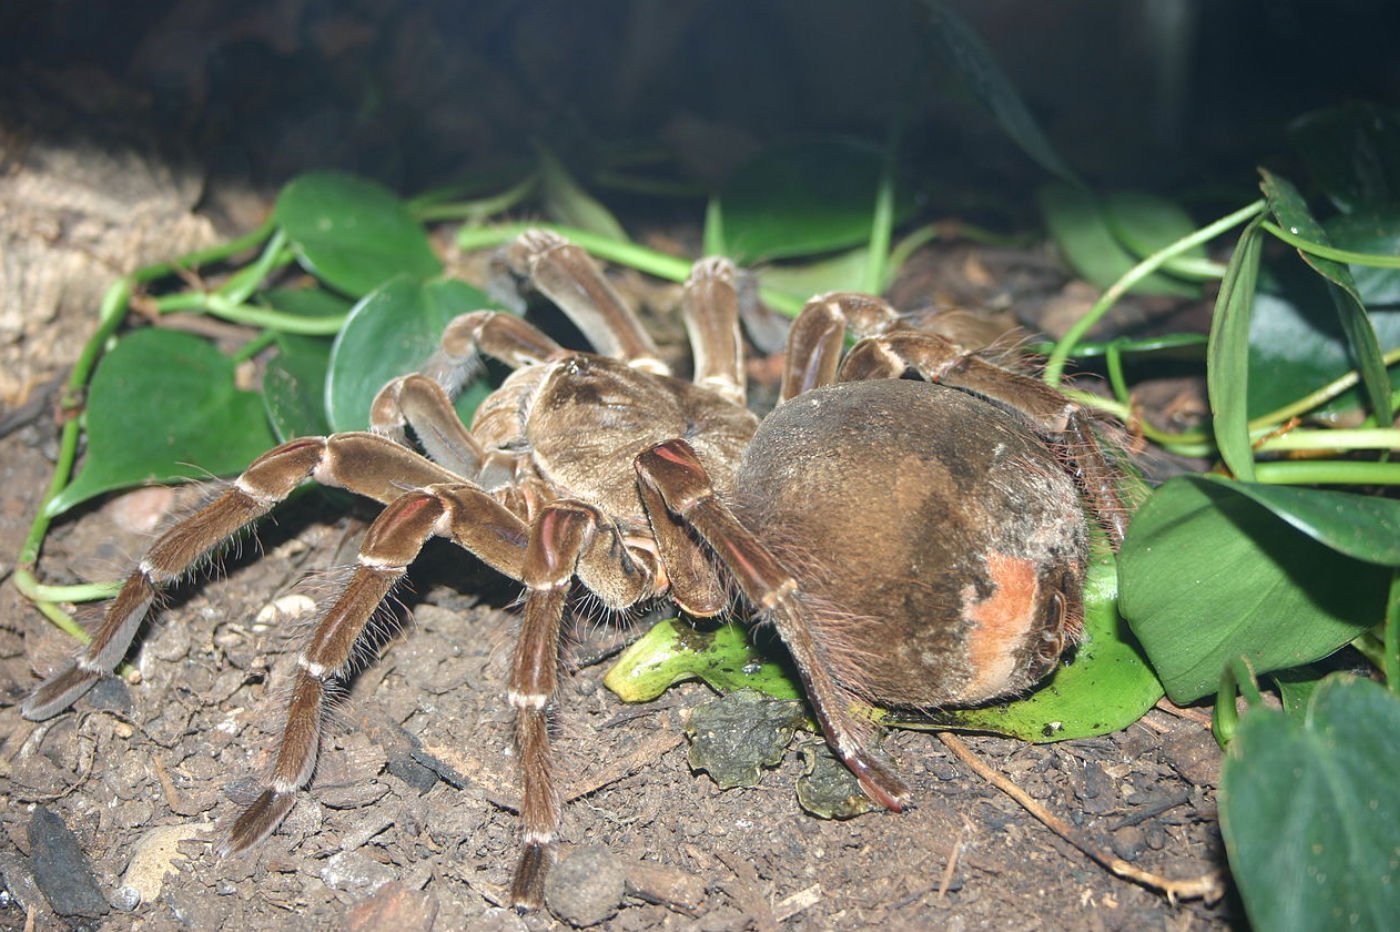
<point>938,545</point>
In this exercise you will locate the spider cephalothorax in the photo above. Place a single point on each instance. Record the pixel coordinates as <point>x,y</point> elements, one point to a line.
<point>914,543</point>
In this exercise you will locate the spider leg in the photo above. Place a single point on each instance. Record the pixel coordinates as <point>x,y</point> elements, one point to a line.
<point>423,401</point>
<point>819,333</point>
<point>710,306</point>
<point>363,463</point>
<point>1048,412</point>
<point>567,276</point>
<point>464,513</point>
<point>673,472</point>
<point>567,539</point>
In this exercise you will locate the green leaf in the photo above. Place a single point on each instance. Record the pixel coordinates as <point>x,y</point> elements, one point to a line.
<point>392,332</point>
<point>673,651</point>
<point>960,46</point>
<point>1352,153</point>
<point>1309,811</point>
<point>1079,224</point>
<point>838,272</point>
<point>353,233</point>
<point>1292,213</point>
<point>1227,355</point>
<point>1105,687</point>
<point>802,199</point>
<point>294,387</point>
<point>307,302</point>
<point>567,203</point>
<point>1144,223</point>
<point>1296,688</point>
<point>1375,231</point>
<point>1295,341</point>
<point>1360,526</point>
<point>163,407</point>
<point>1208,575</point>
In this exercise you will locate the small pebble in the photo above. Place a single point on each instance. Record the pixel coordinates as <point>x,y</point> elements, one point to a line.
<point>356,872</point>
<point>586,888</point>
<point>1129,842</point>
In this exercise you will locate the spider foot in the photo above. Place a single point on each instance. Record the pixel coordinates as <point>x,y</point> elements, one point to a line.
<point>257,821</point>
<point>878,780</point>
<point>58,692</point>
<point>527,886</point>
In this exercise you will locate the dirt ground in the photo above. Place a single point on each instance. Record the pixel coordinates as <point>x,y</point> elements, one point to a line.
<point>408,823</point>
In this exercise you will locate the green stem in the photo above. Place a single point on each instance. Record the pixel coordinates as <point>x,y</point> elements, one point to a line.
<point>1055,364</point>
<point>475,211</point>
<point>906,247</point>
<point>1331,252</point>
<point>248,314</point>
<point>1327,472</point>
<point>1236,679</point>
<point>241,285</point>
<point>83,592</point>
<point>1114,361</point>
<point>1374,439</point>
<point>254,346</point>
<point>200,257</point>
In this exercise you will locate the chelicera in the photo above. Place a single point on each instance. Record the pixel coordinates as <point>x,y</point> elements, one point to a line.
<point>914,542</point>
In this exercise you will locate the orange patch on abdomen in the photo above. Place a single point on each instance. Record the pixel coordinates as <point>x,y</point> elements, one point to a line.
<point>999,624</point>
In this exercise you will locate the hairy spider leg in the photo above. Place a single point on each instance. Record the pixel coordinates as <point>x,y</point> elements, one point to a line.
<point>363,463</point>
<point>674,473</point>
<point>566,275</point>
<point>423,401</point>
<point>818,337</point>
<point>461,512</point>
<point>710,308</point>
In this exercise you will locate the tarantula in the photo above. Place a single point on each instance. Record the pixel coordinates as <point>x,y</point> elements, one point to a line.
<point>915,543</point>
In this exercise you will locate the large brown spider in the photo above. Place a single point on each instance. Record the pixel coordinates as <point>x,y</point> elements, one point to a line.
<point>913,543</point>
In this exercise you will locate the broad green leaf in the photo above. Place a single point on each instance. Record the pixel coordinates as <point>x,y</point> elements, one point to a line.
<point>1292,214</point>
<point>801,199</point>
<point>1080,227</point>
<point>1309,810</point>
<point>567,203</point>
<point>1361,526</point>
<point>961,47</point>
<point>1145,223</point>
<point>839,272</point>
<point>294,386</point>
<point>1207,575</point>
<point>1227,355</point>
<point>673,651</point>
<point>1105,687</point>
<point>1297,686</point>
<point>307,302</point>
<point>392,332</point>
<point>1295,342</point>
<point>1374,231</point>
<point>1352,153</point>
<point>353,233</point>
<point>163,407</point>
